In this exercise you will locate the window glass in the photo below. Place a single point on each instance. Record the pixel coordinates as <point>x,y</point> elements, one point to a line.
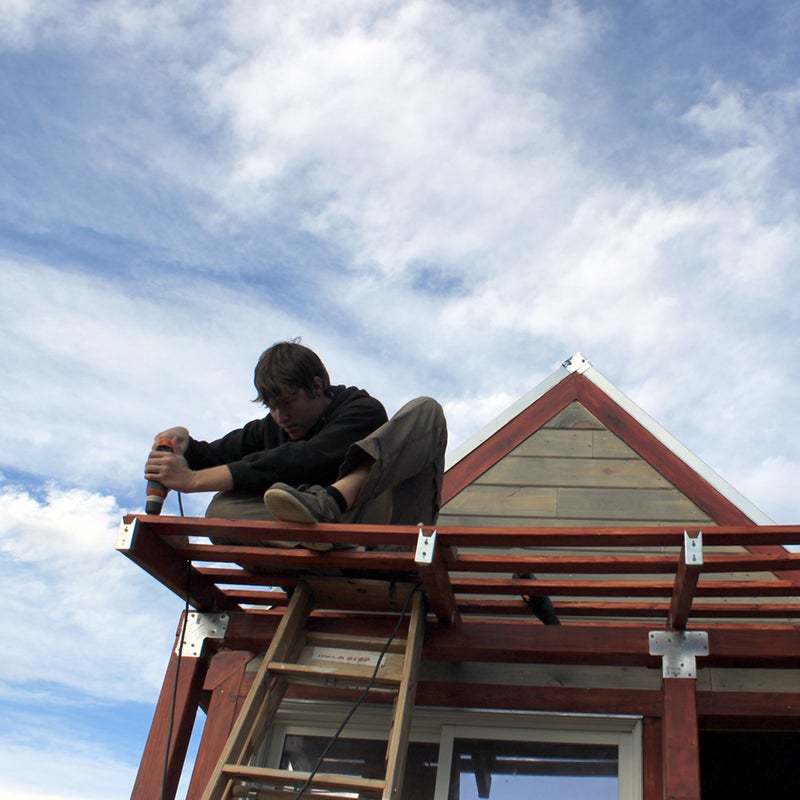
<point>513,770</point>
<point>468,754</point>
<point>363,758</point>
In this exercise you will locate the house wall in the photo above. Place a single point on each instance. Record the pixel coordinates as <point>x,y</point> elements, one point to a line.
<point>575,472</point>
<point>572,472</point>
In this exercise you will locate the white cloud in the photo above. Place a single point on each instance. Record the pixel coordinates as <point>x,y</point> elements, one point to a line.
<point>408,137</point>
<point>428,147</point>
<point>74,601</point>
<point>95,368</point>
<point>75,769</point>
<point>441,198</point>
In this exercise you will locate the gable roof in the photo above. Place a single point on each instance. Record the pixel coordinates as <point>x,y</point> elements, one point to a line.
<point>577,380</point>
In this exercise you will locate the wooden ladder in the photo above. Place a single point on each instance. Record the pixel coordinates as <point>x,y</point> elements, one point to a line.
<point>297,656</point>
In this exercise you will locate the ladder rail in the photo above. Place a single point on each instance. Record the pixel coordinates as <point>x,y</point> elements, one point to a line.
<point>397,744</point>
<point>257,705</point>
<point>280,668</point>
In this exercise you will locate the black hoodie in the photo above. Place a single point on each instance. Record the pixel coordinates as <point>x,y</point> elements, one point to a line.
<point>260,453</point>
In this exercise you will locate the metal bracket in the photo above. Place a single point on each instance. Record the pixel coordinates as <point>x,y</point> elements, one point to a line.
<point>125,535</point>
<point>679,650</point>
<point>426,545</point>
<point>199,627</point>
<point>693,548</point>
<point>576,363</point>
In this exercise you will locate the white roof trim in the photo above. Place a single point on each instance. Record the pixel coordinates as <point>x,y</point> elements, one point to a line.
<point>577,363</point>
<point>505,417</point>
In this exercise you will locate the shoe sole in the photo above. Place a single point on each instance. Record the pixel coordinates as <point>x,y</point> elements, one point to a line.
<point>287,508</point>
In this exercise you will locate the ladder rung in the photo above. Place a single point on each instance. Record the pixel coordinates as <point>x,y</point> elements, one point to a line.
<point>252,793</point>
<point>374,643</point>
<point>345,671</point>
<point>321,780</point>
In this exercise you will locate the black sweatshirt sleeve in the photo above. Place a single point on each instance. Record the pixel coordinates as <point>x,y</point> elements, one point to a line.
<point>259,454</point>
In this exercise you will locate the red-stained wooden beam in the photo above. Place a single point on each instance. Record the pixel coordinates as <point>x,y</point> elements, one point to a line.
<point>474,464</point>
<point>690,566</point>
<point>175,712</point>
<point>433,573</point>
<point>618,564</point>
<point>144,546</point>
<point>615,536</point>
<point>662,458</point>
<point>525,640</point>
<point>652,756</point>
<point>225,679</point>
<point>612,588</point>
<point>763,710</point>
<point>576,700</point>
<point>454,535</point>
<point>710,500</point>
<point>621,609</point>
<point>681,755</point>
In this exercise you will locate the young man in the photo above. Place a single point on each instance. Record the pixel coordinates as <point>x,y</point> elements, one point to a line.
<point>322,454</point>
<point>333,440</point>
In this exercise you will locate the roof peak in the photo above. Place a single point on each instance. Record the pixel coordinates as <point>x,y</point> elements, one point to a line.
<point>578,365</point>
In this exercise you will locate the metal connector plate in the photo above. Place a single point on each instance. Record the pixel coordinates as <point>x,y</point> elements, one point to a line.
<point>200,627</point>
<point>125,535</point>
<point>426,545</point>
<point>679,650</point>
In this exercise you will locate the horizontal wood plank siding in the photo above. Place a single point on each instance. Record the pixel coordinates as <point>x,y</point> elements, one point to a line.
<point>571,472</point>
<point>624,504</point>
<point>609,473</point>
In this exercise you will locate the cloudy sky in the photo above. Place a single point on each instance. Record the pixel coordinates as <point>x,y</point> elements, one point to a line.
<point>444,198</point>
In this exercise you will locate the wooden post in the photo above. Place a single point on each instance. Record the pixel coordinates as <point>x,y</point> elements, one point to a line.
<point>151,780</point>
<point>653,759</point>
<point>681,754</point>
<point>225,681</point>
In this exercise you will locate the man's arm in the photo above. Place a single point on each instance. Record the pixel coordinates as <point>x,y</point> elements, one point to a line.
<point>314,460</point>
<point>259,454</point>
<point>171,469</point>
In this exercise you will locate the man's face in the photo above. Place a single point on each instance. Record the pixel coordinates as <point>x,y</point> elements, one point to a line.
<point>297,411</point>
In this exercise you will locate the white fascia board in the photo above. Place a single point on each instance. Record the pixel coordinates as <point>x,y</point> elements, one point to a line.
<point>675,446</point>
<point>578,363</point>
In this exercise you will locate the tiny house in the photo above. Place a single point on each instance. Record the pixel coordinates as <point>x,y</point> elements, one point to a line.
<point>673,672</point>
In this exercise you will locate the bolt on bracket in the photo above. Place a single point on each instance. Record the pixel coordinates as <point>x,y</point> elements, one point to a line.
<point>679,650</point>
<point>693,548</point>
<point>199,627</point>
<point>125,535</point>
<point>426,545</point>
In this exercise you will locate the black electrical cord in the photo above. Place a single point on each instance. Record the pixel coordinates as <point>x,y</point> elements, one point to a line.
<point>362,696</point>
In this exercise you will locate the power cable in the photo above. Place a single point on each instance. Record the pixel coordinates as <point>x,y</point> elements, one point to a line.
<point>174,699</point>
<point>363,694</point>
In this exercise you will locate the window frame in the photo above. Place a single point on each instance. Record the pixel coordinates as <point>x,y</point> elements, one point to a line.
<point>445,725</point>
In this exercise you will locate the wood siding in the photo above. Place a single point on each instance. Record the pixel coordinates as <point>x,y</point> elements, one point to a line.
<point>573,471</point>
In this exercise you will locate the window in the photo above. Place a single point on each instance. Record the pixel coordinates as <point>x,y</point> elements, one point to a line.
<point>457,754</point>
<point>501,769</point>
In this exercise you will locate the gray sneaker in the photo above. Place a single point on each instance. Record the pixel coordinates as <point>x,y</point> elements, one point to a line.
<point>313,504</point>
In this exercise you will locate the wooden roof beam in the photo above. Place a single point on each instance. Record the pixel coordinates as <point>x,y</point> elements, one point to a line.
<point>433,572</point>
<point>145,547</point>
<point>689,569</point>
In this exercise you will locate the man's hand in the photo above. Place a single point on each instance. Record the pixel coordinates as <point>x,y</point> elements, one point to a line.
<point>171,469</point>
<point>179,437</point>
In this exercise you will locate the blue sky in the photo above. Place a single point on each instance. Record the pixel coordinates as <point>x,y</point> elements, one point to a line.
<point>441,198</point>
